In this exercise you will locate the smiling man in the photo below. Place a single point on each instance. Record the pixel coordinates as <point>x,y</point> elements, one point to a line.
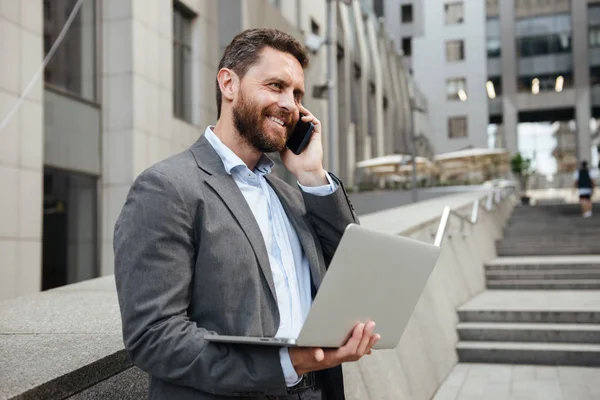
<point>208,240</point>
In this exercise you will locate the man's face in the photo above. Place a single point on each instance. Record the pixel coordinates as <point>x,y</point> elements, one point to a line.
<point>265,110</point>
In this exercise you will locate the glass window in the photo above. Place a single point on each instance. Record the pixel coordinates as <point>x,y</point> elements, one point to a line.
<point>594,25</point>
<point>455,50</point>
<point>595,37</point>
<point>542,45</point>
<point>493,42</point>
<point>406,13</point>
<point>494,86</point>
<point>378,8</point>
<point>594,15</point>
<point>456,89</point>
<point>494,48</point>
<point>182,56</point>
<point>595,76</point>
<point>543,25</point>
<point>454,13</point>
<point>73,66</point>
<point>407,46</point>
<point>492,27</point>
<point>457,127</point>
<point>69,245</point>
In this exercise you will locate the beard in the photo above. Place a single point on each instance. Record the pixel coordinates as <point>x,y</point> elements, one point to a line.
<point>254,128</point>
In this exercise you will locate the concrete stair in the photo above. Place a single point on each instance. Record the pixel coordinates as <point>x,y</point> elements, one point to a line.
<point>529,353</point>
<point>542,305</point>
<point>538,249</point>
<point>550,230</point>
<point>567,273</point>
<point>531,327</point>
<point>533,284</point>
<point>530,316</point>
<point>528,332</point>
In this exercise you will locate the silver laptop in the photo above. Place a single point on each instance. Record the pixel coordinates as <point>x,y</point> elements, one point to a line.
<point>373,276</point>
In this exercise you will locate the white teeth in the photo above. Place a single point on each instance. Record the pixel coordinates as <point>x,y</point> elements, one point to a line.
<point>277,120</point>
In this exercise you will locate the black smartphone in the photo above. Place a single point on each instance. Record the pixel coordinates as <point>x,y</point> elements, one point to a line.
<point>300,137</point>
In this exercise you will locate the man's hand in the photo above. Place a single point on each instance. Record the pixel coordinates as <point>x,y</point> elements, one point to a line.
<point>308,359</point>
<point>307,167</point>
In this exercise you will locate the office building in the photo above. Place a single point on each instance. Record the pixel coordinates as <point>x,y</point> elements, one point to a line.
<point>491,68</point>
<point>132,83</point>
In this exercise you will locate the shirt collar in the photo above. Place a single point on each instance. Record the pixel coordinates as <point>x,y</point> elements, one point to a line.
<point>231,160</point>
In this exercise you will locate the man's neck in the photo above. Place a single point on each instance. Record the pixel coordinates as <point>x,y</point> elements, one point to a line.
<point>229,136</point>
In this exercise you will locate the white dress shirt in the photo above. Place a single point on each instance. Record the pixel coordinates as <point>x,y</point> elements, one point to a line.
<point>289,265</point>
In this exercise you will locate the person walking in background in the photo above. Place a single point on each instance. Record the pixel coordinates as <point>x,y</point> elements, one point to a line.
<point>584,182</point>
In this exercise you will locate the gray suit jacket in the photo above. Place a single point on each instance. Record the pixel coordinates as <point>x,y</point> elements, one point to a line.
<point>190,258</point>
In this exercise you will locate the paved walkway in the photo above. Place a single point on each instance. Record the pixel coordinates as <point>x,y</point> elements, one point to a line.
<point>520,382</point>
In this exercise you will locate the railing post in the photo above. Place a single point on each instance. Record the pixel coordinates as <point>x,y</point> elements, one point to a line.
<point>439,237</point>
<point>488,205</point>
<point>475,211</point>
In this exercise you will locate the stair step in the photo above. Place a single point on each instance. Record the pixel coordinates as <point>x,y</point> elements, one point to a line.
<point>564,231</point>
<point>540,267</point>
<point>526,332</point>
<point>549,241</point>
<point>591,273</point>
<point>530,316</point>
<point>529,353</point>
<point>548,250</point>
<point>542,284</point>
<point>549,237</point>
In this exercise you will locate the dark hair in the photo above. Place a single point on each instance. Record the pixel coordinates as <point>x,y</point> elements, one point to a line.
<point>245,48</point>
<point>584,165</point>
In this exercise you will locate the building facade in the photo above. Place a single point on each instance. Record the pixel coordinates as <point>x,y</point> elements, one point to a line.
<point>545,54</point>
<point>133,82</point>
<point>538,61</point>
<point>443,43</point>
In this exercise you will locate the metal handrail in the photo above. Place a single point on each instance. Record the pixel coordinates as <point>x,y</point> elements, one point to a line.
<point>494,196</point>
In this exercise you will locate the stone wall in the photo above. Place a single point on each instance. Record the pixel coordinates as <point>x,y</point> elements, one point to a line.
<point>21,149</point>
<point>425,355</point>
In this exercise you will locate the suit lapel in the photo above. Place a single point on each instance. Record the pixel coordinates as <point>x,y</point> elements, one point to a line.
<point>224,185</point>
<point>304,234</point>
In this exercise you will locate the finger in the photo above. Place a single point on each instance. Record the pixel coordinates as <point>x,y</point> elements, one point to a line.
<point>352,343</point>
<point>319,355</point>
<point>373,342</point>
<point>366,338</point>
<point>313,119</point>
<point>303,110</point>
<point>308,116</point>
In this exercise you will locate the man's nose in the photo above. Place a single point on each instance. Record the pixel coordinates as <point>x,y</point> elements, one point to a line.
<point>288,102</point>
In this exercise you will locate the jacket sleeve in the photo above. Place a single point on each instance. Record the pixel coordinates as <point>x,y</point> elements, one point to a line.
<point>330,215</point>
<point>154,262</point>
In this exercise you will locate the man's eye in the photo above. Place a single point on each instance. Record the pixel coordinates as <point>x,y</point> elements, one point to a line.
<point>276,85</point>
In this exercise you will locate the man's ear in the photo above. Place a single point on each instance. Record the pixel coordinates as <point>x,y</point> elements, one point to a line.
<point>229,83</point>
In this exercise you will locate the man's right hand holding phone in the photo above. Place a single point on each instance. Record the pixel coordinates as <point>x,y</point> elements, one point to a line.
<point>308,359</point>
